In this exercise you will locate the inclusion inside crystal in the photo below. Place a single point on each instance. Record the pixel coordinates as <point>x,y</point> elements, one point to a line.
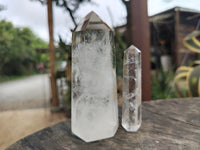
<point>131,106</point>
<point>94,91</point>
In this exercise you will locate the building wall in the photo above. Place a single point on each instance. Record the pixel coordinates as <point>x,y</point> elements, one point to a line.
<point>179,25</point>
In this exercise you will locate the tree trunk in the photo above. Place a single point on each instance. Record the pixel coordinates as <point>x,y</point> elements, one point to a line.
<point>54,101</point>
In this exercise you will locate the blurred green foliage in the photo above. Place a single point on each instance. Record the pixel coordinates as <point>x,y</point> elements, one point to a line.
<point>65,54</point>
<point>161,84</point>
<point>194,82</point>
<point>17,49</point>
<point>187,80</point>
<point>120,46</point>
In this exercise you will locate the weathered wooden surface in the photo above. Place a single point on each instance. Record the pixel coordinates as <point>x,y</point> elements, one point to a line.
<point>167,125</point>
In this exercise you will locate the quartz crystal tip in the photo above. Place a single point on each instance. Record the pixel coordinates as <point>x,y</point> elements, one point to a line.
<point>132,49</point>
<point>92,21</point>
<point>131,106</point>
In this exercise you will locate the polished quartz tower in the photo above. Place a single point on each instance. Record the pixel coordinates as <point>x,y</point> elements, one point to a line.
<point>131,106</point>
<point>94,91</point>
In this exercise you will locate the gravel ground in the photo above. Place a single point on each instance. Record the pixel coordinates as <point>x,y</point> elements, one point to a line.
<point>24,108</point>
<point>30,92</point>
<point>16,124</point>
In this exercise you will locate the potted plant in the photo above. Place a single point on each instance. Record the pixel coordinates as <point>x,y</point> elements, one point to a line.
<point>165,57</point>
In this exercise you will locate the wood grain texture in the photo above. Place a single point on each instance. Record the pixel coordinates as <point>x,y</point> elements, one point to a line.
<point>167,125</point>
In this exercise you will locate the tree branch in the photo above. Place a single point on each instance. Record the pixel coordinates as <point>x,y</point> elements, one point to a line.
<point>66,5</point>
<point>70,12</point>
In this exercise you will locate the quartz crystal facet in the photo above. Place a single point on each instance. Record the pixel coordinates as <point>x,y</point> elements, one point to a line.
<point>94,91</point>
<point>131,106</point>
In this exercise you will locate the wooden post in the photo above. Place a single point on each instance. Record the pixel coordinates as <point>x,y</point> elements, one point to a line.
<point>177,26</point>
<point>54,101</point>
<point>138,34</point>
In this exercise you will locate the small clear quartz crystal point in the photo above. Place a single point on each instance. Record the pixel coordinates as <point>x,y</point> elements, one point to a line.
<point>131,106</point>
<point>94,90</point>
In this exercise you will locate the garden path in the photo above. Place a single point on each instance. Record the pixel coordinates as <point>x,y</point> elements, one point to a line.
<point>24,108</point>
<point>30,92</point>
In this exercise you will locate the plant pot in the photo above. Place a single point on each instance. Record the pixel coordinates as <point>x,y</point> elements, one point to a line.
<point>166,62</point>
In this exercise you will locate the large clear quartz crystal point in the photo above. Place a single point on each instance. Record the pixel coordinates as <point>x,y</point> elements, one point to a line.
<point>94,91</point>
<point>131,106</point>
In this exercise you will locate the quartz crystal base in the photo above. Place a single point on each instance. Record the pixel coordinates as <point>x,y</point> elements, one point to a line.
<point>129,123</point>
<point>131,106</point>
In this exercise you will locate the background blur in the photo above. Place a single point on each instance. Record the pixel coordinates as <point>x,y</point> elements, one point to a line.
<point>26,99</point>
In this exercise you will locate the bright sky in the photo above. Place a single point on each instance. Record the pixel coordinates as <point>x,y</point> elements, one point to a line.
<point>34,15</point>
